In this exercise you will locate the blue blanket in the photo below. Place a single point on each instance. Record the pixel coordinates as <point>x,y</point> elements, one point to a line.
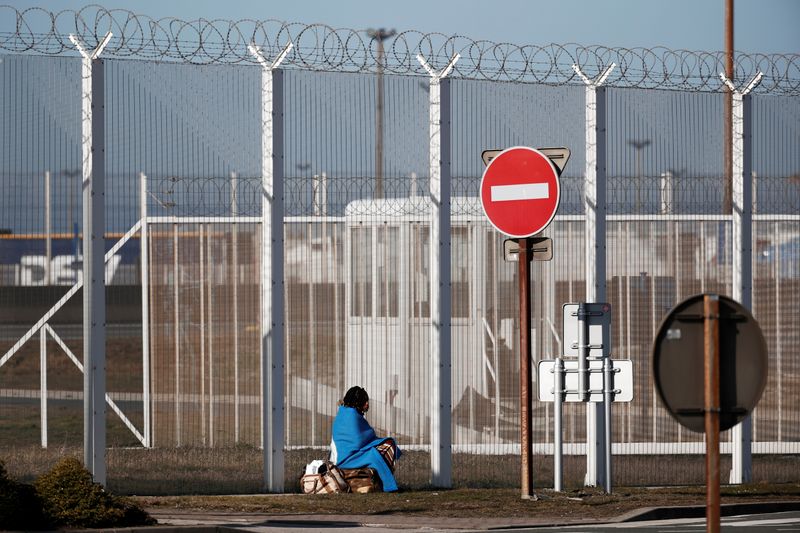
<point>354,443</point>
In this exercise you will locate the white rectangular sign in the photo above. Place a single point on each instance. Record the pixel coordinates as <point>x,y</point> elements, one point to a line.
<point>599,329</point>
<point>522,191</point>
<point>622,380</point>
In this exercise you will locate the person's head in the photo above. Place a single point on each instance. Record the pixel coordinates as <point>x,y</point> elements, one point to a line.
<point>357,398</point>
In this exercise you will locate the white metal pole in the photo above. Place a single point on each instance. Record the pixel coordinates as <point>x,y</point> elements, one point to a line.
<point>741,434</point>
<point>176,333</point>
<point>595,245</point>
<point>48,219</point>
<point>210,280</point>
<point>93,137</point>
<point>43,382</point>
<point>203,426</point>
<point>439,159</point>
<point>272,278</point>
<point>144,251</point>
<point>778,333</point>
<point>558,437</point>
<point>235,281</point>
<point>312,343</point>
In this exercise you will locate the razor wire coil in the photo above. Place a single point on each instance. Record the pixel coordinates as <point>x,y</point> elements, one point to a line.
<point>322,47</point>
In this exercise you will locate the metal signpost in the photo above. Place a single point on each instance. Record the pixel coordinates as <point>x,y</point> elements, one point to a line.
<point>710,369</point>
<point>594,377</point>
<point>520,192</point>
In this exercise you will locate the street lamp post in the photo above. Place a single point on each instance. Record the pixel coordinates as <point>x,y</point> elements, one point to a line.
<point>379,35</point>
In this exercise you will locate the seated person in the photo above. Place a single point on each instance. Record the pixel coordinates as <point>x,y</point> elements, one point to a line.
<point>355,444</point>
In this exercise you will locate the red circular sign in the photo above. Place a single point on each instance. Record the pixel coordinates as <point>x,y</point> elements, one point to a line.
<point>520,191</point>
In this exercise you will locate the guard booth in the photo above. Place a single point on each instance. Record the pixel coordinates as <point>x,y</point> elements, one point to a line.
<point>387,351</point>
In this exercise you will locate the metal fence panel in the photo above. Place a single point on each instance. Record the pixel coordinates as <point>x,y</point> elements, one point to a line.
<point>358,267</point>
<point>356,258</point>
<point>776,279</point>
<point>486,384</point>
<point>40,154</point>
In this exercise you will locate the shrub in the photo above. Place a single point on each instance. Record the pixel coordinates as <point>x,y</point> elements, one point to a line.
<point>70,498</point>
<point>20,507</point>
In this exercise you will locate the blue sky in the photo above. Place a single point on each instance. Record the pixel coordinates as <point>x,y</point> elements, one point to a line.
<point>766,26</point>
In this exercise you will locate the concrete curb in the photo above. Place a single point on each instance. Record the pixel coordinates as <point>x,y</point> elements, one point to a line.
<point>699,511</point>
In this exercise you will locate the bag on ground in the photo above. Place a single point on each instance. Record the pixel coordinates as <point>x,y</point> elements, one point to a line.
<point>328,479</point>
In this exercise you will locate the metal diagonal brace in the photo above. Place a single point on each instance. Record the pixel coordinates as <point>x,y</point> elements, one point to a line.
<point>256,51</point>
<point>597,82</point>
<point>749,87</point>
<point>96,52</point>
<point>444,72</point>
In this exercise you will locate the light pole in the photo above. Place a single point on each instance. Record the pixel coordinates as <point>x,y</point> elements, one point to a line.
<point>639,146</point>
<point>379,35</point>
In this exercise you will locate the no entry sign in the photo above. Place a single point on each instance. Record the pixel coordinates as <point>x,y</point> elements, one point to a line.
<point>520,191</point>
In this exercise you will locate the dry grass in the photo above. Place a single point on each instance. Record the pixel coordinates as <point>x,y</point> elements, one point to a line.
<point>238,470</point>
<point>485,503</point>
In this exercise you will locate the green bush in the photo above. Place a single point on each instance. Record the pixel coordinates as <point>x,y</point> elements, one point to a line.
<point>20,507</point>
<point>70,498</point>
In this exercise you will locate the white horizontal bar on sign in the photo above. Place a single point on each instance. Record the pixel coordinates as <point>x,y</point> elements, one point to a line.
<point>521,191</point>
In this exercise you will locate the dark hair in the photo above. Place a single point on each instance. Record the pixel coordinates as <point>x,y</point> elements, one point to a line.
<point>356,397</point>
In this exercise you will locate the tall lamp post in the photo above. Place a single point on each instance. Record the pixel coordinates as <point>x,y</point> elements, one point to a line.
<point>379,35</point>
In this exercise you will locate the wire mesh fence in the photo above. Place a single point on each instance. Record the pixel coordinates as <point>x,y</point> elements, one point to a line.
<point>184,195</point>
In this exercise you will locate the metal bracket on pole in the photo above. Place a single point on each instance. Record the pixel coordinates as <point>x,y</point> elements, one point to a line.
<point>583,353</point>
<point>439,281</point>
<point>749,87</point>
<point>94,54</point>
<point>742,231</point>
<point>259,55</point>
<point>272,372</point>
<point>597,82</point>
<point>437,76</point>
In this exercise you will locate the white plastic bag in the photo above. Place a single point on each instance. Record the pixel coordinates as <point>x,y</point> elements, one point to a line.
<point>313,466</point>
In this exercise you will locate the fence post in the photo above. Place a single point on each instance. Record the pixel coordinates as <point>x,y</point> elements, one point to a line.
<point>742,231</point>
<point>94,297</point>
<point>595,243</point>
<point>441,426</point>
<point>43,382</point>
<point>272,284</point>
<point>235,281</point>
<point>144,257</point>
<point>48,230</point>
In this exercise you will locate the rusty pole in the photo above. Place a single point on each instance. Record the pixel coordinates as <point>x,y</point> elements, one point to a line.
<point>712,407</point>
<point>728,113</point>
<point>525,400</point>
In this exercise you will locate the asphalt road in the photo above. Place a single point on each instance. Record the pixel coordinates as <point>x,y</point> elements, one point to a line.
<point>756,523</point>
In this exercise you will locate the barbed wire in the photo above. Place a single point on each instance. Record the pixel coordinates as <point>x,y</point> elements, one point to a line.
<point>322,47</point>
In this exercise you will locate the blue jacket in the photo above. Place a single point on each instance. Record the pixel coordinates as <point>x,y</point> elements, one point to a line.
<point>354,443</point>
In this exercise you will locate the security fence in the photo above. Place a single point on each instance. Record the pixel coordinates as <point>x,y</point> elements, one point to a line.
<point>276,233</point>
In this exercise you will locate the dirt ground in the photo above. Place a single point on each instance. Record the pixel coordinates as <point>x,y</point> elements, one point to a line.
<point>587,503</point>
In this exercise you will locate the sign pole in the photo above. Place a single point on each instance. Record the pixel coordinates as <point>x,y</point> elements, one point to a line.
<point>525,400</point>
<point>712,409</point>
<point>558,440</point>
